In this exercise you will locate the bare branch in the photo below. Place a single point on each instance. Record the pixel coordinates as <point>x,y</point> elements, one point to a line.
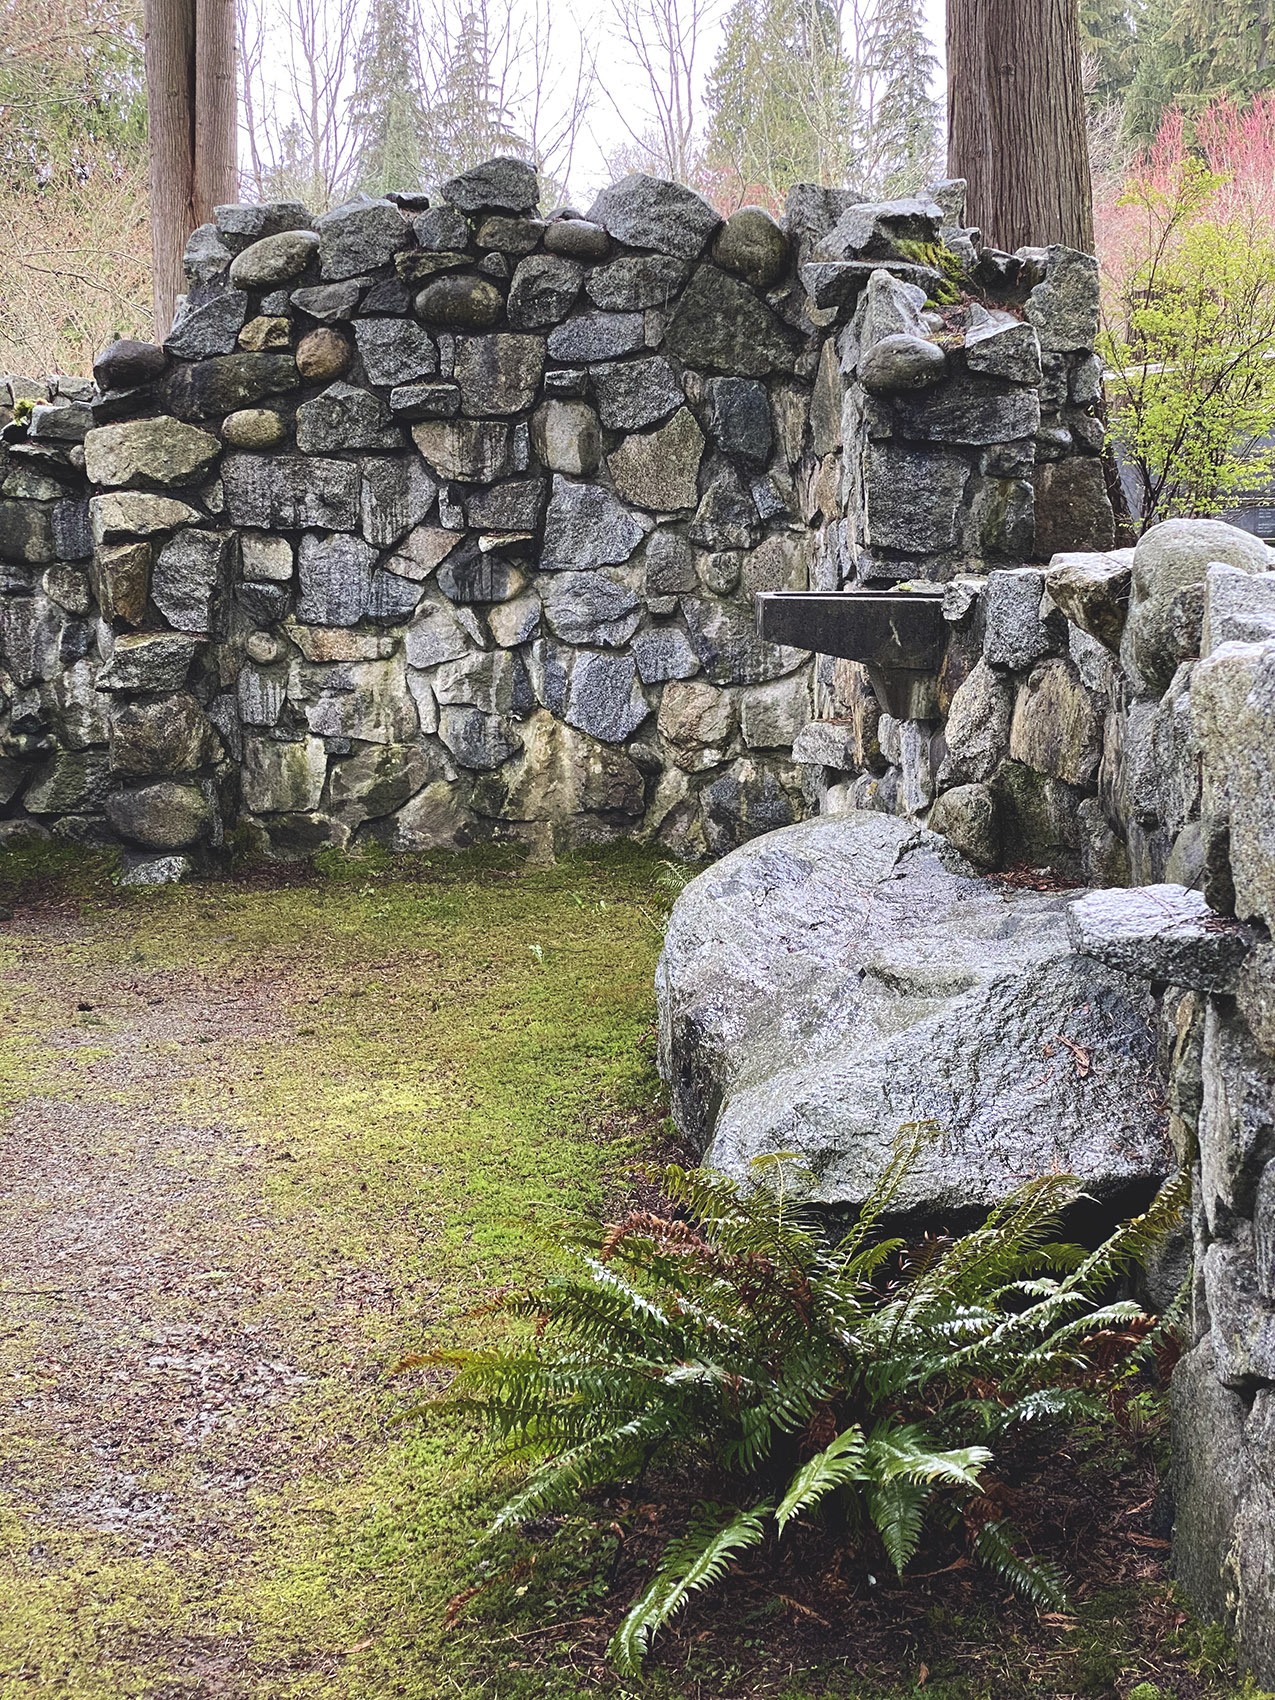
<point>663,38</point>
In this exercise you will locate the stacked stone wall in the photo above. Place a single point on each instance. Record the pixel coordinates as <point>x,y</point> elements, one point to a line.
<point>440,522</point>
<point>1111,718</point>
<point>433,522</point>
<point>48,658</point>
<point>1224,1079</point>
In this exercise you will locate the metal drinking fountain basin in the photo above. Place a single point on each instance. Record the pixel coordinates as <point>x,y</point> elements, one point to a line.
<point>899,635</point>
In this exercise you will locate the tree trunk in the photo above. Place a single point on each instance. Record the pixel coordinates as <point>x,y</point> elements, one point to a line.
<point>1016,121</point>
<point>170,102</point>
<point>216,108</point>
<point>192,110</point>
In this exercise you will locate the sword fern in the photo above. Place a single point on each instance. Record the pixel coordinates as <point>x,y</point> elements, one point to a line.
<point>738,1336</point>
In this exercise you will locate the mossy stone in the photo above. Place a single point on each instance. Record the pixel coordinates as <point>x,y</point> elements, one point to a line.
<point>469,302</point>
<point>254,428</point>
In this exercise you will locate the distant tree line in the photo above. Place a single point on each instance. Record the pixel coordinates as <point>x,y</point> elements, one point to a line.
<point>74,243</point>
<point>338,97</point>
<point>824,92</point>
<point>341,96</point>
<point>398,93</point>
<point>344,97</point>
<point>1154,55</point>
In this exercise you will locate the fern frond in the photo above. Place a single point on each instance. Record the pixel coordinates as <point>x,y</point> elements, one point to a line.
<point>604,1307</point>
<point>1039,1287</point>
<point>841,1461</point>
<point>1078,1328</point>
<point>1024,1342</point>
<point>909,1142</point>
<point>1043,1404</point>
<point>1035,1579</point>
<point>850,1276</point>
<point>559,1483</point>
<point>715,1337</point>
<point>1063,1255</point>
<point>784,1406</point>
<point>897,1508</point>
<point>1170,1326</point>
<point>740,1220</point>
<point>907,1453</point>
<point>1008,1245</point>
<point>1129,1245</point>
<point>697,1560</point>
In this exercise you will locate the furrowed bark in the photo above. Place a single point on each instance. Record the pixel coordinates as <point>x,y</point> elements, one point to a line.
<point>216,108</point>
<point>1016,121</point>
<point>170,99</point>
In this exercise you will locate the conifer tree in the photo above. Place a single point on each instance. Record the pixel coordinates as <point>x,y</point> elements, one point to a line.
<point>468,118</point>
<point>1108,41</point>
<point>903,136</point>
<point>387,110</point>
<point>1016,120</point>
<point>1192,51</point>
<point>72,89</point>
<point>191,130</point>
<point>782,99</point>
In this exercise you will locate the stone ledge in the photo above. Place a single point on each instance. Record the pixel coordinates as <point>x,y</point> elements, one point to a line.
<point>1163,933</point>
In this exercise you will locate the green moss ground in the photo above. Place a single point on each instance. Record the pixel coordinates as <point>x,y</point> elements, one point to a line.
<point>466,1046</point>
<point>387,1076</point>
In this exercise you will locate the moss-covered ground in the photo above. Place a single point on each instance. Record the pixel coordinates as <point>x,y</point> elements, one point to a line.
<point>258,1141</point>
<point>334,1105</point>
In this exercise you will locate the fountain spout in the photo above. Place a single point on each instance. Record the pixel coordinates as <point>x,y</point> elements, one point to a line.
<point>899,635</point>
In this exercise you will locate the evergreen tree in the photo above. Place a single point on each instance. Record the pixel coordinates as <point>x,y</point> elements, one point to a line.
<point>387,112</point>
<point>469,119</point>
<point>72,90</point>
<point>903,136</point>
<point>1192,51</point>
<point>782,99</point>
<point>1016,121</point>
<point>1108,41</point>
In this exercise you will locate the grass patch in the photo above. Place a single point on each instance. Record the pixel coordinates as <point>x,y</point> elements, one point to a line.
<point>363,1088</point>
<point>449,1048</point>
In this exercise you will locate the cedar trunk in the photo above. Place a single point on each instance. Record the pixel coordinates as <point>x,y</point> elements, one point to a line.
<point>1016,121</point>
<point>170,102</point>
<point>216,108</point>
<point>191,106</point>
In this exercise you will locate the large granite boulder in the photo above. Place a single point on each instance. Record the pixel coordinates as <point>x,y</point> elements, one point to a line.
<point>830,983</point>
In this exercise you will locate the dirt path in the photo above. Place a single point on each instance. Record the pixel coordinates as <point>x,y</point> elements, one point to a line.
<point>208,1261</point>
<point>132,1277</point>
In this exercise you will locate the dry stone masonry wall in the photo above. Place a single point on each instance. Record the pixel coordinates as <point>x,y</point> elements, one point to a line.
<point>1112,716</point>
<point>1067,733</point>
<point>439,520</point>
<point>442,521</point>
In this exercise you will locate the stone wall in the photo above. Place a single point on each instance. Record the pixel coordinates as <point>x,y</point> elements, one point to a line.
<point>435,522</point>
<point>49,664</point>
<point>1112,716</point>
<point>1066,736</point>
<point>441,521</point>
<point>1224,1399</point>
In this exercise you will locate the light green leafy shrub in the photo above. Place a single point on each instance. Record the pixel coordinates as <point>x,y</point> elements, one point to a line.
<point>1189,345</point>
<point>735,1336</point>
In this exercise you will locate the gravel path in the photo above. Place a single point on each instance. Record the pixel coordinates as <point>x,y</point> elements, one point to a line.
<point>258,1140</point>
<point>154,1317</point>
